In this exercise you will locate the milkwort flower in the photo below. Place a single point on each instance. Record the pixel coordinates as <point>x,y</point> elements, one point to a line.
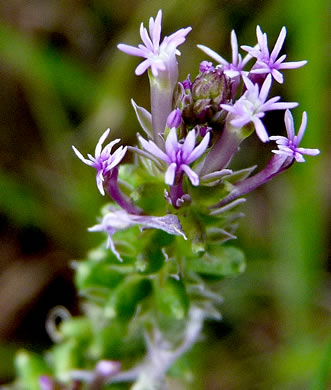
<point>268,63</point>
<point>178,155</point>
<point>289,146</point>
<point>235,68</point>
<point>116,220</point>
<point>251,107</point>
<point>158,56</point>
<point>103,161</point>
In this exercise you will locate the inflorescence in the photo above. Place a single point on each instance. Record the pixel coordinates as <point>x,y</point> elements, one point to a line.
<point>195,127</point>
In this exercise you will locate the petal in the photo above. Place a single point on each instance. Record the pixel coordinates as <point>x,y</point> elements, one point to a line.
<point>234,45</point>
<point>116,158</point>
<point>152,148</point>
<point>278,45</point>
<point>100,180</point>
<point>171,144</point>
<point>131,50</point>
<point>309,152</point>
<point>289,124</point>
<point>282,106</point>
<point>194,178</point>
<point>199,150</point>
<point>156,30</point>
<point>260,130</point>
<point>265,89</point>
<point>302,127</point>
<point>169,177</point>
<point>189,144</point>
<point>292,65</point>
<point>145,38</point>
<point>111,245</point>
<point>277,76</point>
<point>142,67</point>
<point>81,157</point>
<point>299,157</point>
<point>107,149</point>
<point>100,142</point>
<point>211,53</point>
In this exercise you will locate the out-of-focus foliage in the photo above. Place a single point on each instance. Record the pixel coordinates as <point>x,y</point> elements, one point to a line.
<point>63,82</point>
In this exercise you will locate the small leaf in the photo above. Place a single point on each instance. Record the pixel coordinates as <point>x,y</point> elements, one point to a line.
<point>240,175</point>
<point>145,119</point>
<point>221,262</point>
<point>96,274</point>
<point>125,298</point>
<point>171,298</point>
<point>29,368</point>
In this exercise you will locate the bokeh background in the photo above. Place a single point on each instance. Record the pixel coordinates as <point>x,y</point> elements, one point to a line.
<point>63,82</point>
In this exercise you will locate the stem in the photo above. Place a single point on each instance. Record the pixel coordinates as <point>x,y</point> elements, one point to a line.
<point>276,165</point>
<point>176,190</point>
<point>223,150</point>
<point>116,194</point>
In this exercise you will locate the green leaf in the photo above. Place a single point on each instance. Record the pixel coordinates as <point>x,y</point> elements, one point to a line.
<point>66,357</point>
<point>90,273</point>
<point>78,328</point>
<point>29,369</point>
<point>219,262</point>
<point>125,298</point>
<point>171,298</point>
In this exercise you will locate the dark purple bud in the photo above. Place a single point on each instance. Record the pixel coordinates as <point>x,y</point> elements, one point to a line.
<point>187,84</point>
<point>202,109</point>
<point>174,118</point>
<point>203,130</point>
<point>206,66</point>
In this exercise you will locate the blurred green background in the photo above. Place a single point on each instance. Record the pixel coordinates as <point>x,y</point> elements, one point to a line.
<point>63,82</point>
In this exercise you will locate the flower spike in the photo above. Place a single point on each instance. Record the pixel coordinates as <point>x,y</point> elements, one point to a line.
<point>289,146</point>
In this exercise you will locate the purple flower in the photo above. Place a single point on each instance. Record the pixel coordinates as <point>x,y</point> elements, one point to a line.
<point>289,146</point>
<point>103,161</point>
<point>120,220</point>
<point>251,107</point>
<point>157,55</point>
<point>235,68</point>
<point>178,155</point>
<point>268,63</point>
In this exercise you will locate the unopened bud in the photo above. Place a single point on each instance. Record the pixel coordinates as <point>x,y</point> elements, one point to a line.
<point>206,66</point>
<point>174,118</point>
<point>212,84</point>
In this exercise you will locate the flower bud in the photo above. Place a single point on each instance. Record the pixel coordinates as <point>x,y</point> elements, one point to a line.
<point>174,118</point>
<point>211,84</point>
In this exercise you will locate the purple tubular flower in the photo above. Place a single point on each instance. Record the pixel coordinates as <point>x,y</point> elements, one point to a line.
<point>120,220</point>
<point>289,146</point>
<point>251,107</point>
<point>156,54</point>
<point>178,155</point>
<point>235,68</point>
<point>103,161</point>
<point>268,63</point>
